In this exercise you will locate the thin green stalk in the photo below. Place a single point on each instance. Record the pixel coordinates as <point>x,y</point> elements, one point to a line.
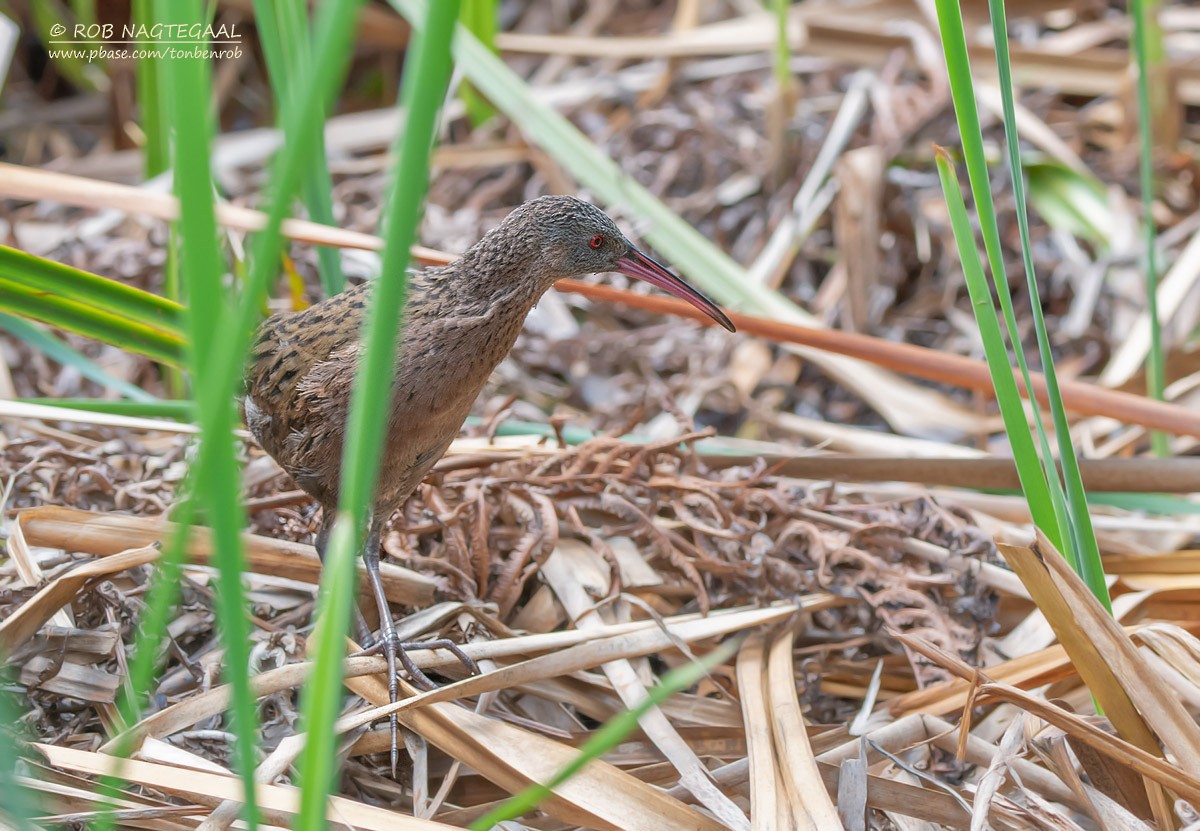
<point>481,18</point>
<point>612,733</point>
<point>216,471</point>
<point>1029,471</point>
<point>284,33</point>
<point>1043,491</point>
<point>178,410</point>
<point>155,152</point>
<point>176,380</point>
<point>426,73</point>
<point>1079,515</point>
<point>1148,52</point>
<point>85,12</point>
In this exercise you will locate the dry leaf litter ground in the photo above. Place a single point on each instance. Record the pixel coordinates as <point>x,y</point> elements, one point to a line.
<point>869,603</point>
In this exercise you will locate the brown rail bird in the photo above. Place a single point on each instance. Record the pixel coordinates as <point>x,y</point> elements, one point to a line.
<point>461,320</point>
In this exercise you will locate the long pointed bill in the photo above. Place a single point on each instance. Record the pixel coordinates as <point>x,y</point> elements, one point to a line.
<point>636,264</point>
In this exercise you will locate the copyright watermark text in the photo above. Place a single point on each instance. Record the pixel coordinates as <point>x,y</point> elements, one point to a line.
<point>130,41</point>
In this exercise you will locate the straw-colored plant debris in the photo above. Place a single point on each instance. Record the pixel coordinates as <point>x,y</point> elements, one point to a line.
<point>636,490</point>
<point>610,562</point>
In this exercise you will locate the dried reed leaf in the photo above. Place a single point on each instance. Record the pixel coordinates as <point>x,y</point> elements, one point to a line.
<point>19,182</point>
<point>809,805</point>
<point>278,802</point>
<point>562,571</point>
<point>103,535</point>
<point>1076,632</point>
<point>598,645</point>
<point>1155,700</point>
<point>768,797</point>
<point>1169,776</point>
<point>601,796</point>
<point>37,610</point>
<point>913,730</point>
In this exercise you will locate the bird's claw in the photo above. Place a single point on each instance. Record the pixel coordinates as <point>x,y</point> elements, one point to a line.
<point>393,648</point>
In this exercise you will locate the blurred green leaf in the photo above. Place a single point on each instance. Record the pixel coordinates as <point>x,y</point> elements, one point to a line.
<point>482,19</point>
<point>283,30</point>
<point>67,355</point>
<point>156,150</point>
<point>1149,53</point>
<point>87,304</point>
<point>426,74</point>
<point>1071,201</point>
<point>85,74</point>
<point>177,410</point>
<point>19,804</point>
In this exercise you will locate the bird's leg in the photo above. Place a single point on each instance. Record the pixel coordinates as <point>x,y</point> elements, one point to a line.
<point>362,632</point>
<point>388,639</point>
<point>390,643</point>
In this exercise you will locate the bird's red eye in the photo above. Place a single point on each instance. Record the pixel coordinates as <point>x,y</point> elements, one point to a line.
<point>596,241</point>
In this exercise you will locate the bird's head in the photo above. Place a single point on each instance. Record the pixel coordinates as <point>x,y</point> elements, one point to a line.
<point>565,237</point>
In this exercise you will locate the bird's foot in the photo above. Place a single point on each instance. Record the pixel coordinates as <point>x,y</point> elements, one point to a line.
<point>389,642</point>
<point>394,648</point>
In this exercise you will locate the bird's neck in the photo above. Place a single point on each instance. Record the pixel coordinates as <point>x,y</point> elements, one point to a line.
<point>476,285</point>
<point>462,321</point>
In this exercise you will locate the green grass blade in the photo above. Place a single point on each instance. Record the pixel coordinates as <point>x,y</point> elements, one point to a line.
<point>1029,470</point>
<point>321,698</point>
<point>223,357</point>
<point>481,18</point>
<point>284,33</point>
<point>783,47</point>
<point>1083,536</point>
<point>612,733</point>
<point>147,649</point>
<point>160,600</point>
<point>426,73</point>
<point>64,281</point>
<point>1163,504</point>
<point>20,804</point>
<point>90,321</point>
<point>1043,492</point>
<point>1071,201</point>
<point>66,355</point>
<point>1148,50</point>
<point>155,152</point>
<point>217,477</point>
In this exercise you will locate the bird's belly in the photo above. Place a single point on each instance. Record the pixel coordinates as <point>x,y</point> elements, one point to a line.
<point>419,431</point>
<point>415,443</point>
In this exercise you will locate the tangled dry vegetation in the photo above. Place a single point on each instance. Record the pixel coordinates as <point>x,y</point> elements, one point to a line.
<point>896,672</point>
